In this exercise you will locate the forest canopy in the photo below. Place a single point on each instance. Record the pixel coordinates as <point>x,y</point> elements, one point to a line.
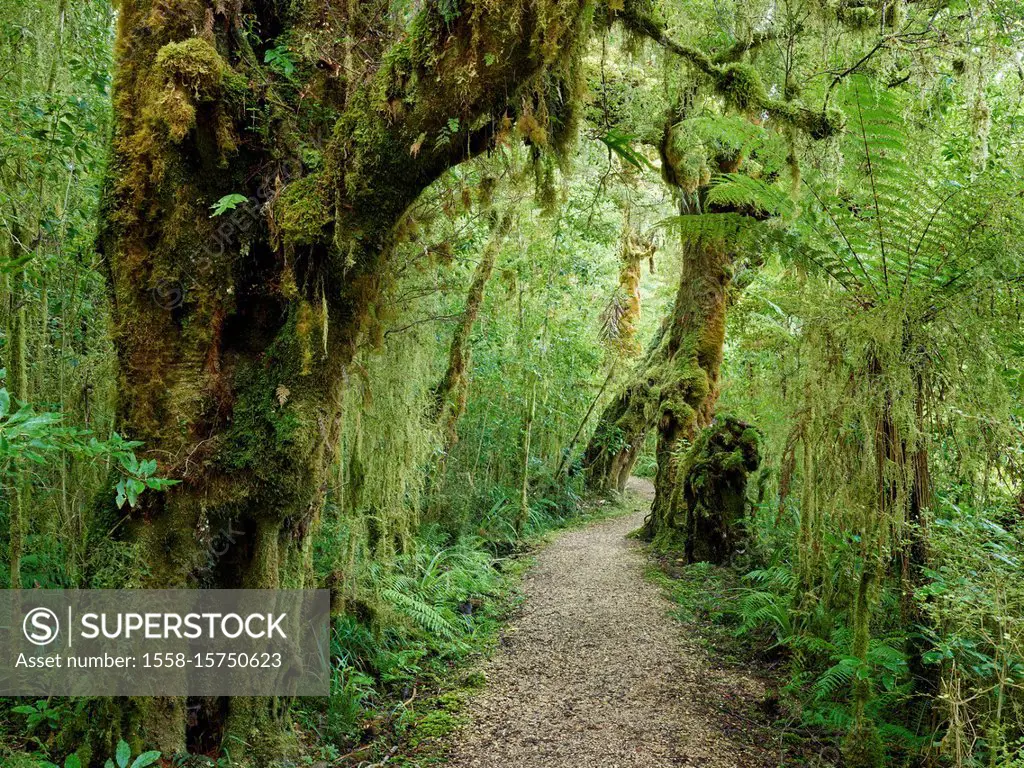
<point>371,296</point>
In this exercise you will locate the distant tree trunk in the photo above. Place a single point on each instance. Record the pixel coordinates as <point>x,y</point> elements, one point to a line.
<point>233,333</point>
<point>567,453</point>
<point>619,435</point>
<point>676,385</point>
<point>450,395</point>
<point>613,449</point>
<point>17,376</point>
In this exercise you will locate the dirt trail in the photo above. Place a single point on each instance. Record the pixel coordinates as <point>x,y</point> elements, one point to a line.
<point>593,674</point>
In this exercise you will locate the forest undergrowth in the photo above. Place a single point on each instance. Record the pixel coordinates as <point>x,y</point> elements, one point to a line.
<point>405,658</point>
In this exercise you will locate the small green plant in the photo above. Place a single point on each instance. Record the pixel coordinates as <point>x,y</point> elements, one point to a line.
<point>29,437</point>
<point>39,714</point>
<point>123,757</point>
<point>227,203</point>
<point>280,60</point>
<point>139,476</point>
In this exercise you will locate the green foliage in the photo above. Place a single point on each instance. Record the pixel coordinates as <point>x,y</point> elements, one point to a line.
<point>227,203</point>
<point>888,284</point>
<point>38,715</point>
<point>30,437</point>
<point>123,758</point>
<point>877,294</point>
<point>622,145</point>
<point>280,60</point>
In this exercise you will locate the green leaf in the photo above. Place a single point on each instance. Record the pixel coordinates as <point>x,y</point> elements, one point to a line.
<point>72,761</point>
<point>621,144</point>
<point>109,764</point>
<point>123,754</point>
<point>25,709</point>
<point>280,60</point>
<point>5,402</point>
<point>146,758</point>
<point>227,203</point>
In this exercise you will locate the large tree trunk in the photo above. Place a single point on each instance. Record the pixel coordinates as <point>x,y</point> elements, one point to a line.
<point>676,384</point>
<point>619,435</point>
<point>233,333</point>
<point>688,386</point>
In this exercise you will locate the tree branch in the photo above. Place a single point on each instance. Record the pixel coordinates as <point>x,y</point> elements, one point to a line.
<point>736,81</point>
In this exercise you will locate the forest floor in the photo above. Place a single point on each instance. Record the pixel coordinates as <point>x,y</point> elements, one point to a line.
<point>592,672</point>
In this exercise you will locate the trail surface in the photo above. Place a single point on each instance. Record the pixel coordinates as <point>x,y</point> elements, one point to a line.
<point>594,674</point>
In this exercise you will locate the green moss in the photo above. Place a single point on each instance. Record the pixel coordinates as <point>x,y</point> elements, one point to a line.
<point>392,84</point>
<point>435,725</point>
<point>863,747</point>
<point>192,73</point>
<point>301,213</point>
<point>741,84</point>
<point>703,519</point>
<point>254,733</point>
<point>819,125</point>
<point>195,65</point>
<point>858,17</point>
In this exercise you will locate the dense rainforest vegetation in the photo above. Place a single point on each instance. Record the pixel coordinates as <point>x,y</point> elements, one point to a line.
<point>369,295</point>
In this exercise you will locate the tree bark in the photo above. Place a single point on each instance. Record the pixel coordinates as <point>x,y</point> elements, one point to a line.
<point>619,435</point>
<point>616,443</point>
<point>704,519</point>
<point>688,387</point>
<point>17,373</point>
<point>233,333</point>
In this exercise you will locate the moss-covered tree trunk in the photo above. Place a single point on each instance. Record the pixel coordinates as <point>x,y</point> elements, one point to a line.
<point>17,373</point>
<point>233,332</point>
<point>624,423</point>
<point>688,377</point>
<point>677,382</point>
<point>704,518</point>
<point>450,395</point>
<point>615,445</point>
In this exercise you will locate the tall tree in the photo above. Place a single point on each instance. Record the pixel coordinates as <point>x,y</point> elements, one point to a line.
<point>233,332</point>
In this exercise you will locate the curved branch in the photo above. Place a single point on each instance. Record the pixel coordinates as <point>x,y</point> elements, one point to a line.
<point>736,81</point>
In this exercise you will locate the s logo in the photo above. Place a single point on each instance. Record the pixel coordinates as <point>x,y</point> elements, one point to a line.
<point>40,626</point>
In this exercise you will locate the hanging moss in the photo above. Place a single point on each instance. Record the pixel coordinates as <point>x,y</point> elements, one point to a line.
<point>737,82</point>
<point>193,72</point>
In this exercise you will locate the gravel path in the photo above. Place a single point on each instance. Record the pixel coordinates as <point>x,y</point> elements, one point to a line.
<point>593,674</point>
